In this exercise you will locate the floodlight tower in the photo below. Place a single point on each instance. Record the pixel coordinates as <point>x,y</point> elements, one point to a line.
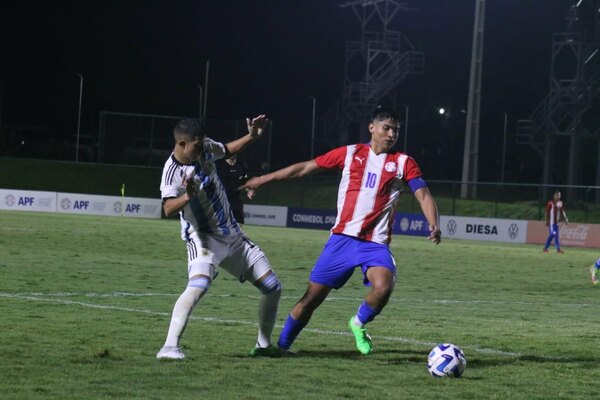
<point>374,66</point>
<point>471,149</point>
<point>567,116</point>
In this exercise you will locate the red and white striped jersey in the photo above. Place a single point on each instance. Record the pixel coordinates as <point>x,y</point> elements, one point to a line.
<point>369,189</point>
<point>554,211</point>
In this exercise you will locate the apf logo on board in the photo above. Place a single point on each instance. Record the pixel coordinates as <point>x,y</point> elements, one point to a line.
<point>404,224</point>
<point>10,200</point>
<point>65,203</point>
<point>118,207</point>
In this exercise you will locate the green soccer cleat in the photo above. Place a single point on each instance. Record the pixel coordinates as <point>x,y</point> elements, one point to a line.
<point>363,340</point>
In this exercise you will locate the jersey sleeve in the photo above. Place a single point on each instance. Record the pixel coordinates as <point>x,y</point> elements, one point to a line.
<point>411,170</point>
<point>171,184</point>
<point>214,150</point>
<point>332,159</point>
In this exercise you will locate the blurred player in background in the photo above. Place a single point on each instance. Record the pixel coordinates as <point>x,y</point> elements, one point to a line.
<point>233,174</point>
<point>373,175</point>
<point>594,271</point>
<point>554,211</point>
<point>190,186</point>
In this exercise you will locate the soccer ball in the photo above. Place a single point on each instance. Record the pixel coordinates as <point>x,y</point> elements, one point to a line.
<point>446,361</point>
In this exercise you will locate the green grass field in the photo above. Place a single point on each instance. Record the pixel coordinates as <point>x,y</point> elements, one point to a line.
<point>85,303</point>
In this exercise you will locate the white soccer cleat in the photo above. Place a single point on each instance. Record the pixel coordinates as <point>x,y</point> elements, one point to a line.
<point>170,353</point>
<point>594,277</point>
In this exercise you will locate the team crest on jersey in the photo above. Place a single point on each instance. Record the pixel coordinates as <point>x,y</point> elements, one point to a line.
<point>390,166</point>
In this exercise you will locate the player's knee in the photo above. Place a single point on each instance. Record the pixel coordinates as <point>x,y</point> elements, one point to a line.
<point>384,290</point>
<point>197,287</point>
<point>310,301</point>
<point>269,284</point>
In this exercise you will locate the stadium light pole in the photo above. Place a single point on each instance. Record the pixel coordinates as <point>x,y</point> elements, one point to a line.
<point>405,127</point>
<point>205,90</point>
<point>200,104</point>
<point>504,148</point>
<point>312,129</point>
<point>79,117</point>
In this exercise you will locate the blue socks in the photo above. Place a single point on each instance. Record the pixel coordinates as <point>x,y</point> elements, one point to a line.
<point>290,332</point>
<point>292,327</point>
<point>365,313</point>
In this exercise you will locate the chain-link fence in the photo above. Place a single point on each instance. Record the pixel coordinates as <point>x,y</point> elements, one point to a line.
<point>492,200</point>
<point>147,140</point>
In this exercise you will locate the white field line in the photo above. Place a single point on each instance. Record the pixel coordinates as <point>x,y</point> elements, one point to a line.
<point>399,339</point>
<point>330,298</point>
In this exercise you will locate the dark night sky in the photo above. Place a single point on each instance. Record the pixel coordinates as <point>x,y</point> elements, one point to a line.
<point>268,57</point>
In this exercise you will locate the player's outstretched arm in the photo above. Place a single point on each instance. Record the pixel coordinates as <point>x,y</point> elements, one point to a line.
<point>430,211</point>
<point>256,127</point>
<point>297,170</point>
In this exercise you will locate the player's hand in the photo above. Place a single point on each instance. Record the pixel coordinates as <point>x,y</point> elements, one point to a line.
<point>190,187</point>
<point>193,185</point>
<point>250,186</point>
<point>257,125</point>
<point>250,193</point>
<point>435,234</point>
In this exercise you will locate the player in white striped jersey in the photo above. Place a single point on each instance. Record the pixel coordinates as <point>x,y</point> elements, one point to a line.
<point>191,187</point>
<point>372,177</point>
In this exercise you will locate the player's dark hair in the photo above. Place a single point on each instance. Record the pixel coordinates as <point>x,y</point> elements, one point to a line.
<point>382,113</point>
<point>189,128</point>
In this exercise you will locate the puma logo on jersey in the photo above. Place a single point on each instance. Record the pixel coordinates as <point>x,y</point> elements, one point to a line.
<point>359,159</point>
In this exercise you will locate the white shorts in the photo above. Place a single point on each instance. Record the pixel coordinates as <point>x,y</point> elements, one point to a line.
<point>236,255</point>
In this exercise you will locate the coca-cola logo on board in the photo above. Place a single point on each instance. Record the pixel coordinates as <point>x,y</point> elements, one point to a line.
<point>578,232</point>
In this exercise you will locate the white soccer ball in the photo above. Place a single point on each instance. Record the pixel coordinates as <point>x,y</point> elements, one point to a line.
<point>446,361</point>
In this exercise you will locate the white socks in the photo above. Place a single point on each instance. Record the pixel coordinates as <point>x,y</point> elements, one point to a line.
<point>181,313</point>
<point>357,322</point>
<point>267,313</point>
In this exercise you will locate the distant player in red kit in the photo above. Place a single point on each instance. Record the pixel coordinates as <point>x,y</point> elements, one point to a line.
<point>554,211</point>
<point>373,175</point>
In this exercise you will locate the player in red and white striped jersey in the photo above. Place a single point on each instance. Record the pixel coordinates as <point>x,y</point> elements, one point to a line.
<point>554,211</point>
<point>373,176</point>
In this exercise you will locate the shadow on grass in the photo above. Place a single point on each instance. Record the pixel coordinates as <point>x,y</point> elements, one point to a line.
<point>400,356</point>
<point>380,355</point>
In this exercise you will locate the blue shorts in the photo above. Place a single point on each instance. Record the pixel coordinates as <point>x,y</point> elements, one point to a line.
<point>342,254</point>
<point>553,229</point>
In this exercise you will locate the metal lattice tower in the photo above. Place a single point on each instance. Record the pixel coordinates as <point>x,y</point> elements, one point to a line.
<point>574,85</point>
<point>471,148</point>
<point>374,66</point>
